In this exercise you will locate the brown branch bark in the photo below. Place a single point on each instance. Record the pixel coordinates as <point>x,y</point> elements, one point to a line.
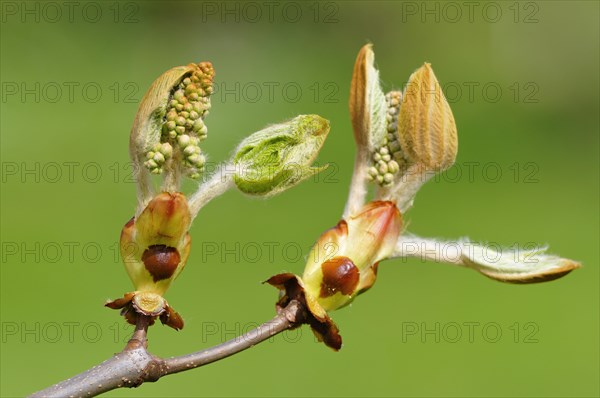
<point>135,365</point>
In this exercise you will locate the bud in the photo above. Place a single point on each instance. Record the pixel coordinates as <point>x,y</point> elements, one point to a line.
<point>174,106</point>
<point>344,260</point>
<point>155,247</point>
<point>342,264</point>
<point>279,156</point>
<point>426,127</point>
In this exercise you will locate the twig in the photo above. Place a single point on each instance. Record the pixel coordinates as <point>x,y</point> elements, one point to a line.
<point>134,365</point>
<point>139,337</point>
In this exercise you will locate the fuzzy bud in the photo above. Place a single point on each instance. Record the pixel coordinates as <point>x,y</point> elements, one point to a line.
<point>426,127</point>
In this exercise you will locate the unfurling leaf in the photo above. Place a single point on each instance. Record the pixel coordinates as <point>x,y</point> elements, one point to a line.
<point>426,126</point>
<point>514,266</point>
<point>505,265</point>
<point>280,156</point>
<point>367,102</point>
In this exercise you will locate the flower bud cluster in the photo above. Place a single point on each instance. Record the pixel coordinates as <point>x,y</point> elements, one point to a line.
<point>183,124</point>
<point>157,156</point>
<point>387,160</point>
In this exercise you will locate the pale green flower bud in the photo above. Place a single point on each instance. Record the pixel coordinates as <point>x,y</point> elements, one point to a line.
<point>151,164</point>
<point>279,156</point>
<point>170,125</point>
<point>196,159</point>
<point>189,150</point>
<point>167,150</point>
<point>183,140</point>
<point>172,115</point>
<point>393,166</point>
<point>159,158</point>
<point>198,125</point>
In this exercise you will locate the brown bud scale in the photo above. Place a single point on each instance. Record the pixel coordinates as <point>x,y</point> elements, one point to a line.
<point>339,275</point>
<point>161,261</point>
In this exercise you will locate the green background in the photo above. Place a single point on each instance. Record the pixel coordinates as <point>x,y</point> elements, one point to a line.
<point>541,133</point>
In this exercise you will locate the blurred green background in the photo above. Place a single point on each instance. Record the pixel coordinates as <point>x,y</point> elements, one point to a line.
<point>522,79</point>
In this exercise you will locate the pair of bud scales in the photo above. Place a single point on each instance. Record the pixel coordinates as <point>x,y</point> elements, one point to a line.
<point>403,138</point>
